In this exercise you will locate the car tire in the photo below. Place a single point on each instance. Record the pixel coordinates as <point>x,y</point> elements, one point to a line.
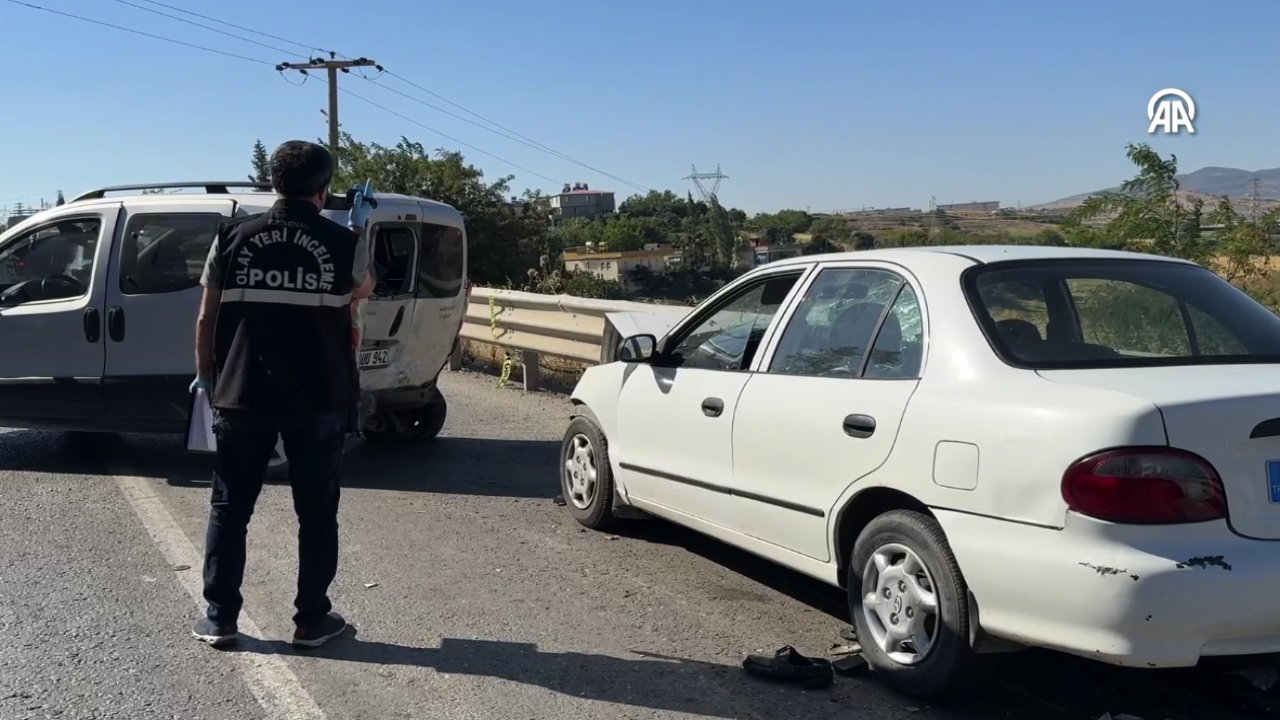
<point>903,560</point>
<point>586,478</point>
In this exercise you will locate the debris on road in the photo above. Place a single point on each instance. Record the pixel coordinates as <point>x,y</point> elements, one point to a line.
<point>843,649</point>
<point>370,585</point>
<point>180,568</point>
<point>851,665</point>
<point>788,665</point>
<point>849,634</point>
<point>559,501</point>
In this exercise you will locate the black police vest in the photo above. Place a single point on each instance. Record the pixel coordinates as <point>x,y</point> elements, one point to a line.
<point>283,333</point>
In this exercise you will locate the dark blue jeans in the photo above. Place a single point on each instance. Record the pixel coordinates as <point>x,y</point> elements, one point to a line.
<point>313,443</point>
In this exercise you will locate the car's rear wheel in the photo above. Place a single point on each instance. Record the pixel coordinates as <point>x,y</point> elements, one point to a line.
<point>909,604</point>
<point>586,479</point>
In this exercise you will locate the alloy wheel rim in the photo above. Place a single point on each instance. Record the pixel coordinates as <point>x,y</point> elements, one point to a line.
<point>900,604</point>
<point>581,475</point>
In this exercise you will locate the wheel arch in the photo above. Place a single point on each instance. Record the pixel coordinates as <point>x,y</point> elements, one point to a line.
<point>859,511</point>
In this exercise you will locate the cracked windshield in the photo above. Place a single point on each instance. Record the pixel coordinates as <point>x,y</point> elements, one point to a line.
<point>729,360</point>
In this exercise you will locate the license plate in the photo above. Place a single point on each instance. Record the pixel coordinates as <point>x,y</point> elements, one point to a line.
<point>370,359</point>
<point>1273,480</point>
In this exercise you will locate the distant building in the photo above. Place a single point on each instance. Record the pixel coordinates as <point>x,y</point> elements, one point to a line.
<point>580,201</point>
<point>617,265</point>
<point>989,206</point>
<point>759,253</point>
<point>885,211</point>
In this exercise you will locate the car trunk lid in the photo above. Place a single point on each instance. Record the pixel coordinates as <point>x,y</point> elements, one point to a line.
<point>1227,414</point>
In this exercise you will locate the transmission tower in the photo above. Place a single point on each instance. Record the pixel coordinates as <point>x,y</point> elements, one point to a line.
<point>707,195</point>
<point>1255,198</point>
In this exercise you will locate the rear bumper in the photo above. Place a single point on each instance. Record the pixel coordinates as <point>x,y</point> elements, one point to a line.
<point>1143,596</point>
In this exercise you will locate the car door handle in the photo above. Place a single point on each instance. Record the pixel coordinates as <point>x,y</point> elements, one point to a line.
<point>859,426</point>
<point>712,407</point>
<point>115,323</point>
<point>92,325</point>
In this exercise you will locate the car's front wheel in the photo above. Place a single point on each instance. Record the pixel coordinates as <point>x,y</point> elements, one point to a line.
<point>586,479</point>
<point>909,604</point>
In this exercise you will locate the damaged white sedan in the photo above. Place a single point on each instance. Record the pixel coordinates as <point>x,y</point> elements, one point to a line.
<point>989,447</point>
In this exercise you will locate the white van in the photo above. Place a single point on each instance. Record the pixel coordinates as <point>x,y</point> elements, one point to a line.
<point>98,300</point>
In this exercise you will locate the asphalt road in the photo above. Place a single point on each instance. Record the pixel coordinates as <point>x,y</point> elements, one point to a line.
<point>473,596</point>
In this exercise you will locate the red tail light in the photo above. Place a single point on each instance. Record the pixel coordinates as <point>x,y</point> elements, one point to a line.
<point>1145,485</point>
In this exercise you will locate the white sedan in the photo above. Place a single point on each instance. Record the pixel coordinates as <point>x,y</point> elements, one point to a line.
<point>989,447</point>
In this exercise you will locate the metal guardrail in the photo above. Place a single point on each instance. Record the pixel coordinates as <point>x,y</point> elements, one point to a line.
<point>554,325</point>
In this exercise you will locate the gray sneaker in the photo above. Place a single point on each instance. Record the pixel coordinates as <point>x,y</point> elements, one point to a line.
<point>322,632</point>
<point>207,631</point>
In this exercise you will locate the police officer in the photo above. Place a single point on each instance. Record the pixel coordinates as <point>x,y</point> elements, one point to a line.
<point>274,352</point>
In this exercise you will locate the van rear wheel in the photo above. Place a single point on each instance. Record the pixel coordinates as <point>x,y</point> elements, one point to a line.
<point>417,423</point>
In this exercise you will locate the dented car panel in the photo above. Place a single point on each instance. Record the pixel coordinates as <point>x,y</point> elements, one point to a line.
<point>1140,596</point>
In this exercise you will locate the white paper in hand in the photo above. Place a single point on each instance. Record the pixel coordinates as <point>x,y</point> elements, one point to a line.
<point>200,437</point>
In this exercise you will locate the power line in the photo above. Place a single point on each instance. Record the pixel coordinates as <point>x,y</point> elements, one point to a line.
<point>238,27</point>
<point>424,126</point>
<point>140,32</point>
<point>438,96</point>
<point>206,27</point>
<point>224,53</point>
<point>501,131</point>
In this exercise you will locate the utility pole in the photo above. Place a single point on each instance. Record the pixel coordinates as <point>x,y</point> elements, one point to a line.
<point>332,66</point>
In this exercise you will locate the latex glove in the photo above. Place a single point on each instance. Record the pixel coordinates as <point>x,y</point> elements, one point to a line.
<point>361,205</point>
<point>201,384</point>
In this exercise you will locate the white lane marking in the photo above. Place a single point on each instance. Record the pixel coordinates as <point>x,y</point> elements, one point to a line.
<point>269,678</point>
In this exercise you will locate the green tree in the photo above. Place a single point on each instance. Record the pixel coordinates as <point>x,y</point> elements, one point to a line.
<point>831,231</point>
<point>622,233</point>
<point>818,246</point>
<point>1146,213</point>
<point>502,243</point>
<point>261,163</point>
<point>790,222</point>
<point>862,240</point>
<point>1245,244</point>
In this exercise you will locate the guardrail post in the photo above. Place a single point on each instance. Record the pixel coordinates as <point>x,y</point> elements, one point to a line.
<point>529,367</point>
<point>455,356</point>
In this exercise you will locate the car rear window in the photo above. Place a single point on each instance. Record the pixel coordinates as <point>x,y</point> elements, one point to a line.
<point>1116,313</point>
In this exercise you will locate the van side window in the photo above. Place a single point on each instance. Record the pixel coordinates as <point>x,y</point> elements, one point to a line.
<point>51,262</point>
<point>440,271</point>
<point>165,252</point>
<point>395,247</point>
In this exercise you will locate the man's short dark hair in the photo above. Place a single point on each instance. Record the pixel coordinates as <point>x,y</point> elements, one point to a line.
<point>301,169</point>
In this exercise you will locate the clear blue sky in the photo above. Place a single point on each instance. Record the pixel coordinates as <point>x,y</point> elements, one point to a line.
<point>820,104</point>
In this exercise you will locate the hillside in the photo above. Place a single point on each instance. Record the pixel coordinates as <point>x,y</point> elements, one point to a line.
<point>1206,183</point>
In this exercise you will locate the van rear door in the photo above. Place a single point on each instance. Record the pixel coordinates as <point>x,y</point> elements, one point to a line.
<point>441,291</point>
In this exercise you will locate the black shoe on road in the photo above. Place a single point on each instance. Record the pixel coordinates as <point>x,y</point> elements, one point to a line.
<point>207,631</point>
<point>316,635</point>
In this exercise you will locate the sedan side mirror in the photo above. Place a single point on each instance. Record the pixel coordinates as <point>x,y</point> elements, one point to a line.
<point>638,349</point>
